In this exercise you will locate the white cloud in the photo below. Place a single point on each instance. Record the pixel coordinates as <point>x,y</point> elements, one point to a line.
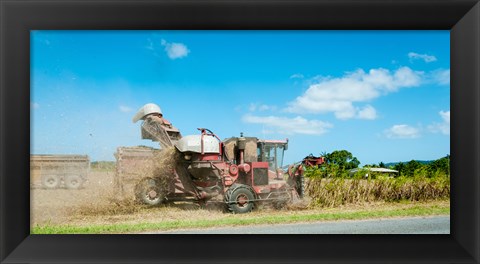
<point>406,77</point>
<point>444,126</point>
<point>285,125</point>
<point>440,76</point>
<point>125,109</point>
<point>150,45</point>
<point>406,131</point>
<point>261,107</point>
<point>445,116</point>
<point>426,58</point>
<point>368,112</point>
<point>402,131</point>
<point>264,108</point>
<point>34,105</point>
<point>297,76</point>
<point>337,95</point>
<point>175,50</point>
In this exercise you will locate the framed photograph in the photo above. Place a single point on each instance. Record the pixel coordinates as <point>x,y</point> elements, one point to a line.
<point>268,78</point>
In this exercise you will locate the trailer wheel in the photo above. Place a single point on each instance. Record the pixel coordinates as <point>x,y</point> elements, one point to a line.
<point>240,199</point>
<point>149,192</point>
<point>50,181</point>
<point>73,182</point>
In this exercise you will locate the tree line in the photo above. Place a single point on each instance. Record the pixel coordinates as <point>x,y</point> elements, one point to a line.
<point>340,162</point>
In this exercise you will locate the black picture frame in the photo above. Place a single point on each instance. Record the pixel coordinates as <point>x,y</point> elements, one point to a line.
<point>18,17</point>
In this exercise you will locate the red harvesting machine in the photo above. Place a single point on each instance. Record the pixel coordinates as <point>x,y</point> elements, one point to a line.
<point>238,172</point>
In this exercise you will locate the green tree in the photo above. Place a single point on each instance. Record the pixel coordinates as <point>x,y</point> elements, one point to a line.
<point>441,165</point>
<point>381,164</point>
<point>400,167</point>
<point>343,159</point>
<point>411,166</point>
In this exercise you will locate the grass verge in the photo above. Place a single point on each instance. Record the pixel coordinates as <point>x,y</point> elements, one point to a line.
<point>247,219</point>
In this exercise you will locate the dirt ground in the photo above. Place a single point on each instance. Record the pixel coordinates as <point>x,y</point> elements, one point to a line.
<point>97,203</point>
<point>59,206</point>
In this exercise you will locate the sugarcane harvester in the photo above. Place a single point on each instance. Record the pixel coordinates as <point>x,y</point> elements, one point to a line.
<point>239,172</point>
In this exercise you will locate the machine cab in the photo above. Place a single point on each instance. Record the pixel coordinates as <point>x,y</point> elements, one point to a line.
<point>272,151</point>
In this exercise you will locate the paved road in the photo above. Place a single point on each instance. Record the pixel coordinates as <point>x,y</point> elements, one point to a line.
<point>412,225</point>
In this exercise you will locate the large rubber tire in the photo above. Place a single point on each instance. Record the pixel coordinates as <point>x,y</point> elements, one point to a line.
<point>240,199</point>
<point>50,181</point>
<point>73,182</point>
<point>149,192</point>
<point>300,186</point>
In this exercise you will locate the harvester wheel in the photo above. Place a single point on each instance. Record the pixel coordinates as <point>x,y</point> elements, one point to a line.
<point>300,184</point>
<point>50,181</point>
<point>149,192</point>
<point>73,182</point>
<point>239,199</point>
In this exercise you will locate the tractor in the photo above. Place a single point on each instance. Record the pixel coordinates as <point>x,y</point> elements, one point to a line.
<point>238,172</point>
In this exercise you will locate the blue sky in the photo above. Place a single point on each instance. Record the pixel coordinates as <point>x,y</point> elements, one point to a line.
<point>382,95</point>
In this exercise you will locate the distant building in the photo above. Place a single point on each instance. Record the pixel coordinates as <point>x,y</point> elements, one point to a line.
<point>383,171</point>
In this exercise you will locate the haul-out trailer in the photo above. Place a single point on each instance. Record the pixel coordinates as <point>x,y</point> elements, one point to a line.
<point>56,171</point>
